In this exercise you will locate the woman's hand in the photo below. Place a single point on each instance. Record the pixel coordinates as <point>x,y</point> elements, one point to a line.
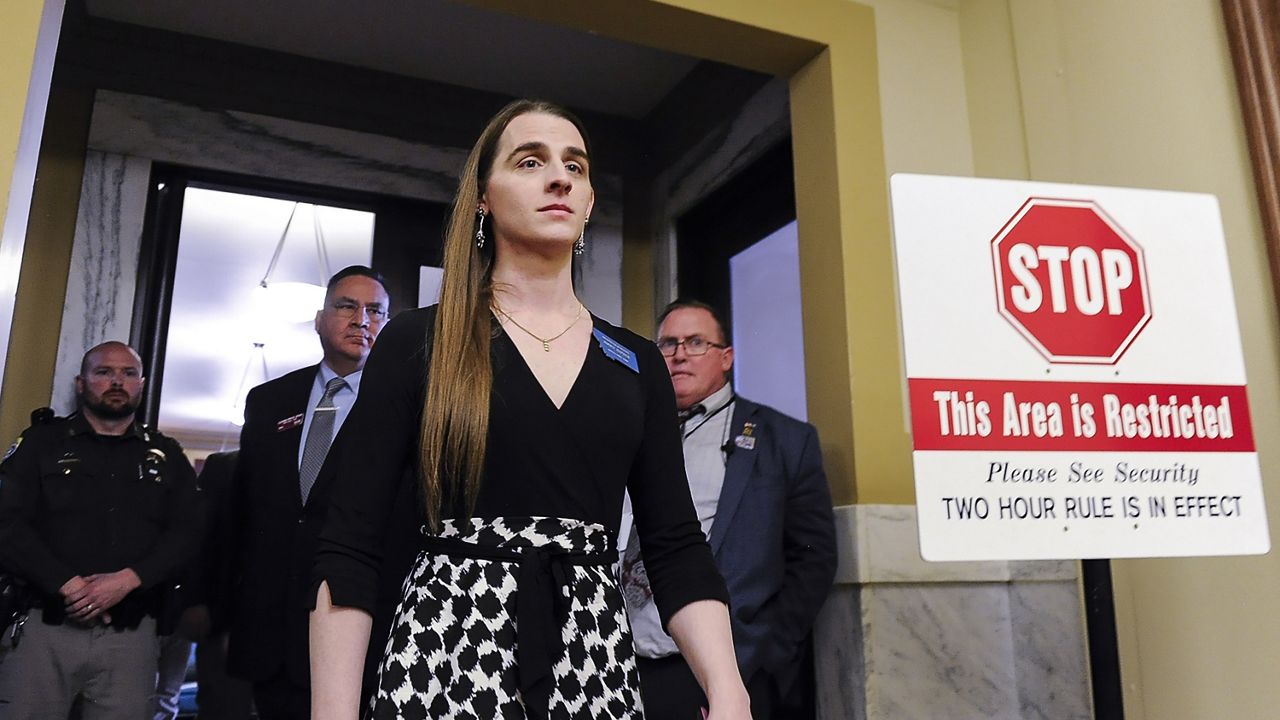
<point>731,706</point>
<point>701,630</point>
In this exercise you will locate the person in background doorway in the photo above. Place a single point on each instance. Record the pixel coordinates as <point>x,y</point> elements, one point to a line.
<point>762,498</point>
<point>97,513</point>
<point>218,696</point>
<point>278,501</point>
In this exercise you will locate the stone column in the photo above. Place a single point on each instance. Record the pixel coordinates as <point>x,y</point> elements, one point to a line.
<point>903,638</point>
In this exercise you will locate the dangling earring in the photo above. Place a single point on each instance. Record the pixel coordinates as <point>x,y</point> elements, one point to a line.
<point>581,246</point>
<point>479,228</point>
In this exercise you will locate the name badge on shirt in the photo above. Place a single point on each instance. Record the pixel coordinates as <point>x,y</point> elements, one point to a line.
<point>289,423</point>
<point>616,351</point>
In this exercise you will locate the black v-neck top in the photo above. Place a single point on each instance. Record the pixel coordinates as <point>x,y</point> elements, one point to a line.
<point>616,430</point>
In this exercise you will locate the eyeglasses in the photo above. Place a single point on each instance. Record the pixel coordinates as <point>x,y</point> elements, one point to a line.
<point>694,346</point>
<point>347,310</point>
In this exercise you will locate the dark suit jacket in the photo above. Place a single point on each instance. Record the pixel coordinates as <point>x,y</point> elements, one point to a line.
<point>273,535</point>
<point>274,538</point>
<point>205,585</point>
<point>773,538</point>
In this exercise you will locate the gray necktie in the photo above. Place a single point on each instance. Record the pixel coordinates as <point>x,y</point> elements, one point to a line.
<point>319,437</point>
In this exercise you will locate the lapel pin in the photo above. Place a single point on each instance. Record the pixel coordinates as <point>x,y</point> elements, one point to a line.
<point>746,442</point>
<point>289,423</point>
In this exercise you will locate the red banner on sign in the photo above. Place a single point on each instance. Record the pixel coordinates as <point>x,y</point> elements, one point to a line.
<point>1078,416</point>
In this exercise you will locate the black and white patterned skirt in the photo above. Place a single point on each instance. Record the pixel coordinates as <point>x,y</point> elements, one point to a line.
<point>513,618</point>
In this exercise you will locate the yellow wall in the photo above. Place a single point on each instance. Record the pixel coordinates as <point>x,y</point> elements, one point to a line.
<point>1132,92</point>
<point>1140,93</point>
<point>21,22</point>
<point>46,261</point>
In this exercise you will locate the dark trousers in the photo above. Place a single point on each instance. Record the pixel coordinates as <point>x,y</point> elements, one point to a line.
<point>669,689</point>
<point>281,698</point>
<point>671,692</point>
<point>220,696</point>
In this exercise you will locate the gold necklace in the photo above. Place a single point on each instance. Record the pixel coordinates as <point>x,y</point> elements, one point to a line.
<point>546,342</point>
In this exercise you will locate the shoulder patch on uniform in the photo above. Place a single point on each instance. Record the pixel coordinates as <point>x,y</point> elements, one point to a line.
<point>12,449</point>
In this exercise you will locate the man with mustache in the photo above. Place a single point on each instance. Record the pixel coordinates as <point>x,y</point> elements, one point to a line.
<point>279,501</point>
<point>97,514</point>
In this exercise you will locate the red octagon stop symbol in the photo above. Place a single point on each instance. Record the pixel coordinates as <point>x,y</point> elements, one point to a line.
<point>1071,281</point>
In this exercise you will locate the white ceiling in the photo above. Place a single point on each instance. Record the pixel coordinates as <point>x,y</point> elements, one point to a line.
<point>435,40</point>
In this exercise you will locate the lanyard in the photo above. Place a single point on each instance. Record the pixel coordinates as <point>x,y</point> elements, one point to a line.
<point>707,419</point>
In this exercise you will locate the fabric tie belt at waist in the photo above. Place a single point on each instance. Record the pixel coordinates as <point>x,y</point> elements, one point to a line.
<point>542,605</point>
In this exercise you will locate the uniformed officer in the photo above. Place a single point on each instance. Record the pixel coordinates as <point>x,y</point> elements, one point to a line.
<point>97,512</point>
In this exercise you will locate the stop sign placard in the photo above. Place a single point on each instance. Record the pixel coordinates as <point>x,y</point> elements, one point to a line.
<point>1123,433</point>
<point>1071,281</point>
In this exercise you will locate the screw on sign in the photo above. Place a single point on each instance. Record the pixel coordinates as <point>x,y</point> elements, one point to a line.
<point>1071,281</point>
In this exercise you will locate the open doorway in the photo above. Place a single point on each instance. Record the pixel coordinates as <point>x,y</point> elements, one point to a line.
<point>235,272</point>
<point>738,249</point>
<point>249,275</point>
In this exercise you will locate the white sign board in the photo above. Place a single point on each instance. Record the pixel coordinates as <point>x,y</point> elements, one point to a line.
<point>1077,388</point>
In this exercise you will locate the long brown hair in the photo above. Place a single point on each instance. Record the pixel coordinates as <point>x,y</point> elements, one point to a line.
<point>455,414</point>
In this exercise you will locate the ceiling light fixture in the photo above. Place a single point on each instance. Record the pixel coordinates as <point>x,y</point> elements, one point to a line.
<point>289,302</point>
<point>236,417</point>
<point>295,302</point>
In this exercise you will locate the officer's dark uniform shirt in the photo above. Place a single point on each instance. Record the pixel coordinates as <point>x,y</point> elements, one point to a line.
<point>75,503</point>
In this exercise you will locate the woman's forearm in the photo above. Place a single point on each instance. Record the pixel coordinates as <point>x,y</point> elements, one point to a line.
<point>339,636</point>
<point>701,630</point>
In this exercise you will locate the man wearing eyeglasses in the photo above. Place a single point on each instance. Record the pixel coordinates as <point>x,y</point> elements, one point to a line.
<point>280,499</point>
<point>756,479</point>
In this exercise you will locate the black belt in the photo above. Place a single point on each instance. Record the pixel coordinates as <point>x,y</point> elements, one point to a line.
<point>541,607</point>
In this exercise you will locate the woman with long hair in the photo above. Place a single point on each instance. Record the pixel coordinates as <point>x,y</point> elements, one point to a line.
<point>524,418</point>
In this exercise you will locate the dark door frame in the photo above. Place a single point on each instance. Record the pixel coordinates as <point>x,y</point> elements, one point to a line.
<point>757,201</point>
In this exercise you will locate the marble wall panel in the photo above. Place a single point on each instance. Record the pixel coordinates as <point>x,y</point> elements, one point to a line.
<point>257,145</point>
<point>882,545</point>
<point>902,638</point>
<point>939,652</point>
<point>250,144</point>
<point>104,264</point>
<point>838,646</point>
<point>1050,651</point>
